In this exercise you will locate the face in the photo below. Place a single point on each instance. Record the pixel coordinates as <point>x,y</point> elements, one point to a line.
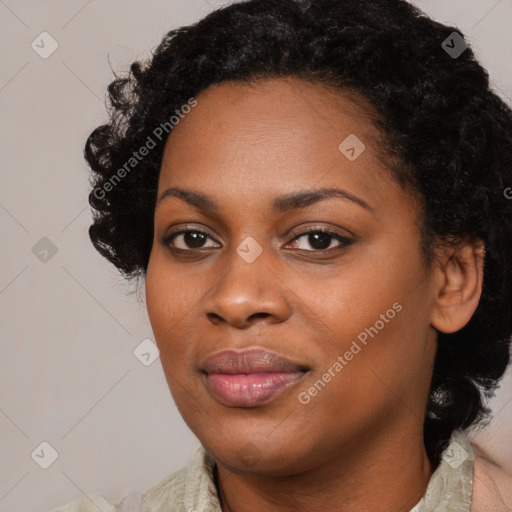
<point>288,322</point>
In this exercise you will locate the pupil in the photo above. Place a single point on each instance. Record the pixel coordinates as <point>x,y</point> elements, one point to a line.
<point>320,240</point>
<point>194,239</point>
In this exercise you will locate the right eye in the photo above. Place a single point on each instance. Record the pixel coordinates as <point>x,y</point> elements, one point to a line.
<point>187,240</point>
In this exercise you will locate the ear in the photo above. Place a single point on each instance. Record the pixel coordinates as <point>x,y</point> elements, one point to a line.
<point>458,285</point>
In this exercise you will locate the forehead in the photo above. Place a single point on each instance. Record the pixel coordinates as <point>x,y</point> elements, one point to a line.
<point>275,134</point>
<point>287,108</point>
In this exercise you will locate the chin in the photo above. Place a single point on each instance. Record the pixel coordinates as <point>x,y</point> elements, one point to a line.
<point>259,454</point>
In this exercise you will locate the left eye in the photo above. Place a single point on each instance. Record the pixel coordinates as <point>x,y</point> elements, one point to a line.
<point>321,240</point>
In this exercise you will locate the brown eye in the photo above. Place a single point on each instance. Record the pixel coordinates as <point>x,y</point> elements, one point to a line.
<point>321,240</point>
<point>187,240</point>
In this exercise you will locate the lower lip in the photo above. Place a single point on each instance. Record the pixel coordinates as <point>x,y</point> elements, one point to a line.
<point>249,390</point>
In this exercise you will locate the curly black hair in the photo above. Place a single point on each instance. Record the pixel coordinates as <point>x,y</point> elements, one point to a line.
<point>447,133</point>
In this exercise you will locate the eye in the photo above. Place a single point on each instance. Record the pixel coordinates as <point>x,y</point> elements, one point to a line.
<point>321,239</point>
<point>188,240</point>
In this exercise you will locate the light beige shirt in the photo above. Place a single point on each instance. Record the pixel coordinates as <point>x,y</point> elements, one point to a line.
<point>192,488</point>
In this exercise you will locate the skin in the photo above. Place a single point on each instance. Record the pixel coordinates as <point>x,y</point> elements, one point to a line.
<point>492,484</point>
<point>358,444</point>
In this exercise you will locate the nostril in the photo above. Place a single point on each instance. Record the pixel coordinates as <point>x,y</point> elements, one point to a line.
<point>259,315</point>
<point>214,318</point>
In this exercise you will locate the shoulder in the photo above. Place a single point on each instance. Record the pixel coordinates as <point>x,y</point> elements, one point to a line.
<point>168,495</point>
<point>91,503</point>
<point>492,485</point>
<point>157,499</point>
<point>95,502</point>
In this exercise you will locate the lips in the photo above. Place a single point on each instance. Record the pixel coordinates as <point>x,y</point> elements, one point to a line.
<point>249,378</point>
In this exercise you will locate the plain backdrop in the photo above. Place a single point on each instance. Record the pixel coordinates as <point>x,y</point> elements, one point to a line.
<point>69,326</point>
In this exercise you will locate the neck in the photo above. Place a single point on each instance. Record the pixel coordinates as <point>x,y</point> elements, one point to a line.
<point>384,473</point>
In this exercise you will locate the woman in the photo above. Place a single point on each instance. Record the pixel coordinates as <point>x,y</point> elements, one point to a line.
<point>314,193</point>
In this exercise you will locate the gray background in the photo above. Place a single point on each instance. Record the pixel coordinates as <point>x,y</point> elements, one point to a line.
<point>68,375</point>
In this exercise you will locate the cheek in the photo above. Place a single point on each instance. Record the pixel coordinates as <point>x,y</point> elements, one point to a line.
<point>159,301</point>
<point>342,303</point>
<point>361,382</point>
<point>167,295</point>
<point>376,319</point>
<point>166,304</point>
<point>173,302</point>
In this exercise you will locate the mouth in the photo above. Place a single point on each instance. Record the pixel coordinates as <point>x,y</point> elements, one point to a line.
<point>249,378</point>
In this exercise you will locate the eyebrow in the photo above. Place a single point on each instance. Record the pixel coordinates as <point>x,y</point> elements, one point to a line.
<point>284,203</point>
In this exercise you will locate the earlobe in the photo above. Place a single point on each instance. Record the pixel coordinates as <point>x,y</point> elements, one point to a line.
<point>459,279</point>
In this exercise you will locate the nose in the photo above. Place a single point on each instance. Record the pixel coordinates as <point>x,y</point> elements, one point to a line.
<point>247,294</point>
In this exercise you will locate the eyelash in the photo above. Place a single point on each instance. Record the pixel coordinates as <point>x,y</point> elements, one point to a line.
<point>344,242</point>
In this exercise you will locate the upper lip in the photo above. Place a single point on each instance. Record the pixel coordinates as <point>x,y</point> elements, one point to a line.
<point>249,361</point>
